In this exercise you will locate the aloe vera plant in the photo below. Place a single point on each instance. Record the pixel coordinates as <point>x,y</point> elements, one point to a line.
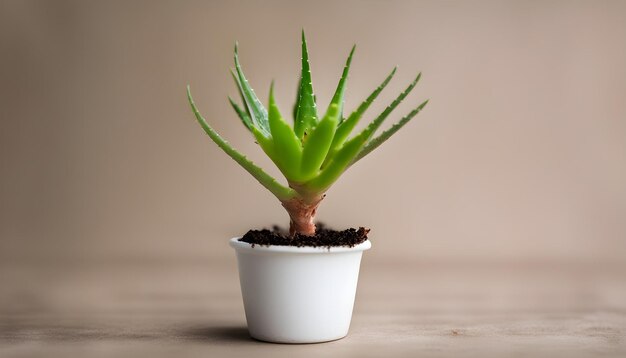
<point>314,152</point>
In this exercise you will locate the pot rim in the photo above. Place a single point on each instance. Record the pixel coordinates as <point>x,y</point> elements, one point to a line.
<point>240,246</point>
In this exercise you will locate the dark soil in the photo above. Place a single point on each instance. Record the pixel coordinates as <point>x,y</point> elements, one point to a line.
<point>324,237</point>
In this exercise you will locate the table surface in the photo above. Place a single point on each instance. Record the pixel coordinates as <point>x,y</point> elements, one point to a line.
<point>192,307</point>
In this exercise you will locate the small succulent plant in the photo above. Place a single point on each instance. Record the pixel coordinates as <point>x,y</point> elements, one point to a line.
<point>314,152</point>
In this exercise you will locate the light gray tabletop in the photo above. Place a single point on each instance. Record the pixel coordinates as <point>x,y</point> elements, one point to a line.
<point>192,307</point>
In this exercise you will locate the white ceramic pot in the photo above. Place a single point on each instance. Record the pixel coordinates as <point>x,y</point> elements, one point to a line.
<point>298,294</point>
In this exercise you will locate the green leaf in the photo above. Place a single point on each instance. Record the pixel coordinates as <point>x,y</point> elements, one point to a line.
<point>281,192</point>
<point>257,112</point>
<point>318,143</point>
<point>265,143</point>
<point>288,149</point>
<point>345,127</point>
<point>373,126</point>
<point>338,97</point>
<point>245,118</point>
<point>374,143</point>
<point>239,90</point>
<point>337,165</point>
<point>306,115</point>
<point>346,155</point>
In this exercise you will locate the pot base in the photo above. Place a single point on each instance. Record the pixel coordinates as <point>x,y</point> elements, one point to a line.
<point>288,341</point>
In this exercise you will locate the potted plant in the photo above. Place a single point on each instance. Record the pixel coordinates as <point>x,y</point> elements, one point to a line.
<point>299,287</point>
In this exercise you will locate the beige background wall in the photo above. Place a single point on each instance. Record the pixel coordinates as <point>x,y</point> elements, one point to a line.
<point>520,155</point>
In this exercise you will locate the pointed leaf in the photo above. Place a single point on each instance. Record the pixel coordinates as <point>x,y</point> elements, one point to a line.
<point>318,143</point>
<point>306,115</point>
<point>348,152</point>
<point>281,192</point>
<point>239,90</point>
<point>288,149</point>
<point>243,115</point>
<point>345,127</point>
<point>373,126</point>
<point>338,97</point>
<point>374,143</point>
<point>257,112</point>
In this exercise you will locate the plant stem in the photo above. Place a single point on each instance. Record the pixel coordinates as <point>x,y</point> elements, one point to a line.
<point>302,214</point>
